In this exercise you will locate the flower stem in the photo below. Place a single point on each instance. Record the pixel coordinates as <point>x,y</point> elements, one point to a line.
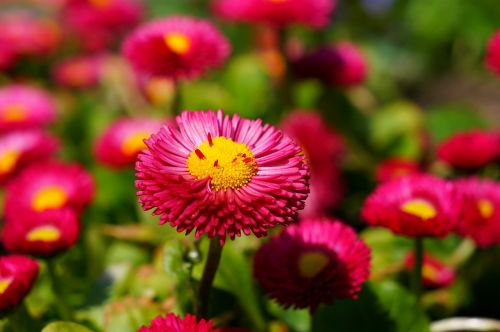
<point>176,99</point>
<point>18,319</point>
<point>213,260</point>
<point>417,272</point>
<point>61,304</point>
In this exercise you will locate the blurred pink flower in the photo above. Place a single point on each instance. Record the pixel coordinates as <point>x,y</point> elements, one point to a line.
<point>493,53</point>
<point>173,323</point>
<point>394,168</point>
<point>435,274</point>
<point>79,72</point>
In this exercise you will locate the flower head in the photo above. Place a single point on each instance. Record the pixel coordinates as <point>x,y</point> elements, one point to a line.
<point>222,176</point>
<point>394,168</point>
<point>435,274</point>
<point>46,186</point>
<point>478,201</point>
<point>493,53</point>
<point>17,276</point>
<point>176,47</point>
<point>278,13</point>
<point>470,150</point>
<point>44,234</point>
<point>20,148</point>
<point>124,139</point>
<point>80,72</point>
<point>173,323</point>
<point>313,262</point>
<point>23,106</point>
<point>412,206</point>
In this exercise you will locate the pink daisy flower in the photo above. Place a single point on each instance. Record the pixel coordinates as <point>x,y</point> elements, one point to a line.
<point>20,148</point>
<point>435,274</point>
<point>326,182</point>
<point>176,47</point>
<point>48,186</point>
<point>97,23</point>
<point>412,206</point>
<point>313,262</point>
<point>123,140</point>
<point>8,57</point>
<point>394,168</point>
<point>173,323</point>
<point>45,234</point>
<point>222,176</point>
<point>278,13</point>
<point>493,53</point>
<point>470,150</point>
<point>17,276</point>
<point>79,72</point>
<point>342,65</point>
<point>23,106</point>
<point>479,204</point>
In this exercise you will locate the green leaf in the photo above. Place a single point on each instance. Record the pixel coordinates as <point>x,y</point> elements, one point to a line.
<point>65,327</point>
<point>298,320</point>
<point>384,307</point>
<point>440,126</point>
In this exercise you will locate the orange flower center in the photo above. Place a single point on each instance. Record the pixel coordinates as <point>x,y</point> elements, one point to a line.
<point>4,284</point>
<point>100,3</point>
<point>14,112</point>
<point>228,164</point>
<point>44,234</point>
<point>8,161</point>
<point>135,143</point>
<point>312,263</point>
<point>419,208</point>
<point>430,272</point>
<point>52,197</point>
<point>486,208</point>
<point>177,42</point>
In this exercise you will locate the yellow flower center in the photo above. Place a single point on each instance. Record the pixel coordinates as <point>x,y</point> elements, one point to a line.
<point>419,208</point>
<point>100,3</point>
<point>178,42</point>
<point>52,197</point>
<point>486,208</point>
<point>14,112</point>
<point>228,164</point>
<point>430,272</point>
<point>312,263</point>
<point>135,143</point>
<point>4,284</point>
<point>8,161</point>
<point>44,234</point>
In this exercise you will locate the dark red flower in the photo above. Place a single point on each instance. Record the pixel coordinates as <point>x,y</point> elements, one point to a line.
<point>435,274</point>
<point>394,168</point>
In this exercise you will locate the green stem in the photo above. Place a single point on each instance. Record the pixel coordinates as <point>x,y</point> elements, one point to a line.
<point>61,304</point>
<point>417,272</point>
<point>213,260</point>
<point>18,319</point>
<point>176,99</point>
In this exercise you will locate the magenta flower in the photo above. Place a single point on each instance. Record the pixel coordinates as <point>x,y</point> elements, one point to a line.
<point>222,176</point>
<point>493,53</point>
<point>123,140</point>
<point>278,13</point>
<point>435,274</point>
<point>313,262</point>
<point>173,323</point>
<point>393,168</point>
<point>23,106</point>
<point>79,72</point>
<point>176,47</point>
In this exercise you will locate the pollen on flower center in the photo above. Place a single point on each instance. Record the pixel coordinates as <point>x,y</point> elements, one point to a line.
<point>52,197</point>
<point>14,112</point>
<point>430,272</point>
<point>4,284</point>
<point>419,208</point>
<point>135,143</point>
<point>44,234</point>
<point>100,3</point>
<point>312,263</point>
<point>228,164</point>
<point>177,42</point>
<point>8,161</point>
<point>486,208</point>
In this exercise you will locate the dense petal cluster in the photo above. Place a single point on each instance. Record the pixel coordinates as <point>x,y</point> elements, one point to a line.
<point>222,176</point>
<point>342,65</point>
<point>278,13</point>
<point>23,106</point>
<point>23,147</point>
<point>17,276</point>
<point>176,47</point>
<point>313,262</point>
<point>79,72</point>
<point>44,234</point>
<point>478,201</point>
<point>493,53</point>
<point>326,182</point>
<point>435,274</point>
<point>412,206</point>
<point>124,139</point>
<point>52,185</point>
<point>97,23</point>
<point>173,323</point>
<point>394,168</point>
<point>470,150</point>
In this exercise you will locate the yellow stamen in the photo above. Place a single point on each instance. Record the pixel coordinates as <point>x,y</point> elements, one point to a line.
<point>52,197</point>
<point>14,112</point>
<point>312,263</point>
<point>135,143</point>
<point>100,3</point>
<point>486,208</point>
<point>228,164</point>
<point>8,161</point>
<point>44,234</point>
<point>4,284</point>
<point>419,208</point>
<point>178,42</point>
